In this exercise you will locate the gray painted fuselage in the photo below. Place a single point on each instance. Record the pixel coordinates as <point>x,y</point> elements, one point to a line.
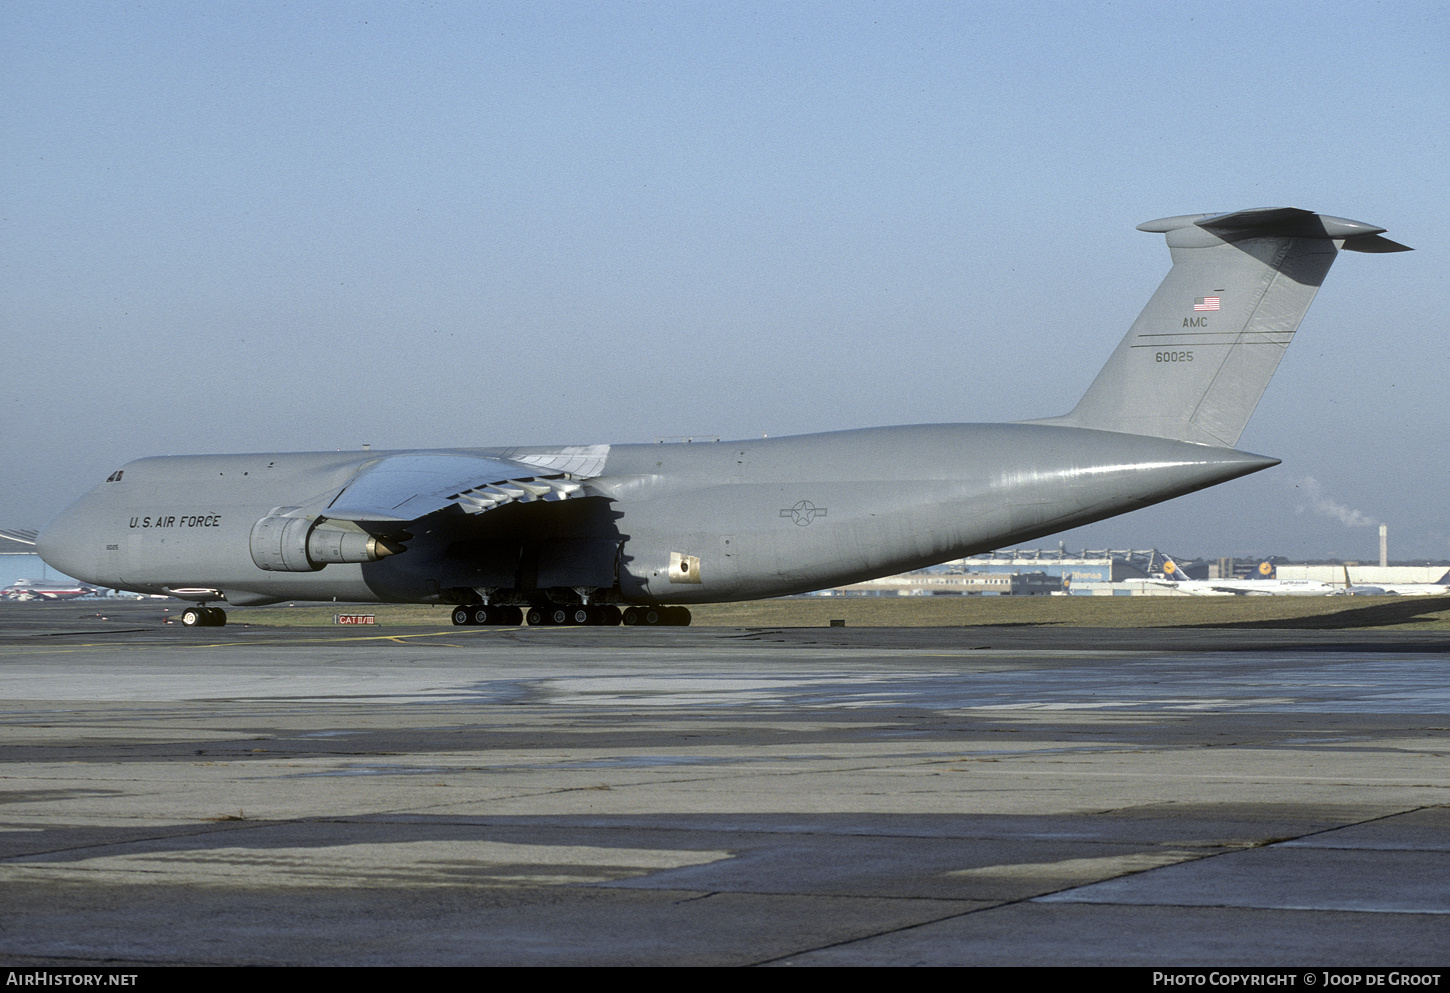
<point>764,517</point>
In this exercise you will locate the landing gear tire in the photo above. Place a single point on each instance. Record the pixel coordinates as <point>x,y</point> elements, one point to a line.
<point>657,616</point>
<point>203,617</point>
<point>560,616</point>
<point>480,613</point>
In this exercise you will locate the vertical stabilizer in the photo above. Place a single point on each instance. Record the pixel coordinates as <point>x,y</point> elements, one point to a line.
<point>1198,358</point>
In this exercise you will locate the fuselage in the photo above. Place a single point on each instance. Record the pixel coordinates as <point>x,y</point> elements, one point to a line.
<point>663,523</point>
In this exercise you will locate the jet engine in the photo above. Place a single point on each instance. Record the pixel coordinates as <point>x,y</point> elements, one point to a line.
<point>300,544</point>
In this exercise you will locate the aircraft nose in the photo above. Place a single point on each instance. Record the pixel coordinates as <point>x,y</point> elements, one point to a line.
<point>66,547</point>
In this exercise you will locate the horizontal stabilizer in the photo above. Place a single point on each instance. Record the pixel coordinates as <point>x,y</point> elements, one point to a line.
<point>1374,243</point>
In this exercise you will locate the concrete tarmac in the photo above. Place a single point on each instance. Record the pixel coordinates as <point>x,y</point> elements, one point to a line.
<point>704,796</point>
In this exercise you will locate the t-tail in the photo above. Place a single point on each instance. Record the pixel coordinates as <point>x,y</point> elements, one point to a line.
<point>1198,358</point>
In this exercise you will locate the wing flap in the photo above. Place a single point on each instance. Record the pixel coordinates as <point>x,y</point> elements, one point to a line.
<point>406,487</point>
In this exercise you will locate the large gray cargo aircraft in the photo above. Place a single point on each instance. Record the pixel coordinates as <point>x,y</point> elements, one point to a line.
<point>570,535</point>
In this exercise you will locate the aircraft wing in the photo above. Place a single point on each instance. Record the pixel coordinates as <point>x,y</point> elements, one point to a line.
<point>24,536</point>
<point>407,487</point>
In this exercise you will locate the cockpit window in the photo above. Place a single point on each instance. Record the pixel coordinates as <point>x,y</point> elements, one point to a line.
<point>115,477</point>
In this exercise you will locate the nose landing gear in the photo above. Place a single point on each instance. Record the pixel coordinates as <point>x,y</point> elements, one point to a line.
<point>204,617</point>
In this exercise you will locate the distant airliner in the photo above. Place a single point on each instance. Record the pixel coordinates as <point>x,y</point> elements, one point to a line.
<point>1251,587</point>
<point>1303,587</point>
<point>1439,588</point>
<point>569,535</point>
<point>46,589</point>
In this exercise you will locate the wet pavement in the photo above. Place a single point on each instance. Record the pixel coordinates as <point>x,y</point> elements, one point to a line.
<point>719,796</point>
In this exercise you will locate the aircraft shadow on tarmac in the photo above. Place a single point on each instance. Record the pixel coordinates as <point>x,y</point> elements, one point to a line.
<point>1402,610</point>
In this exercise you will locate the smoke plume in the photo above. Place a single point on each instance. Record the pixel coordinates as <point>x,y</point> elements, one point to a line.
<point>1325,506</point>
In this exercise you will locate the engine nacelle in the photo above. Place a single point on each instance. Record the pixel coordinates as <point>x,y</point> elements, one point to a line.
<point>298,544</point>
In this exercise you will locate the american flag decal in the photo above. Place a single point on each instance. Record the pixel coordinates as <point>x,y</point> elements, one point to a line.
<point>1205,303</point>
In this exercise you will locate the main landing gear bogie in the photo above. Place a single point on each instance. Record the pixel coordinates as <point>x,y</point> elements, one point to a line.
<point>559,615</point>
<point>478,613</point>
<point>204,617</point>
<point>571,615</point>
<point>661,616</point>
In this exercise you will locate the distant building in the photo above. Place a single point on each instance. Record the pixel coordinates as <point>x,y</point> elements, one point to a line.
<point>1245,567</point>
<point>19,561</point>
<point>1034,572</point>
<point>23,565</point>
<point>1088,566</point>
<point>929,583</point>
<point>1111,572</point>
<point>1368,574</point>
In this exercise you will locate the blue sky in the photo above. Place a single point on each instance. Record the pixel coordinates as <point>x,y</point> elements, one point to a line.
<point>257,227</point>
